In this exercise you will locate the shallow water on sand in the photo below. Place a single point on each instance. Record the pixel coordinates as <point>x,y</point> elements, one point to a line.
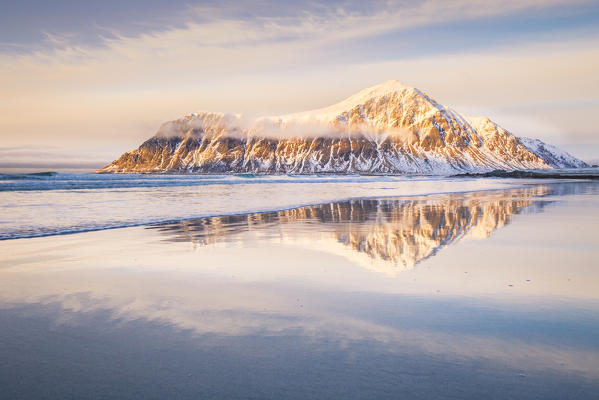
<point>482,294</point>
<point>49,204</point>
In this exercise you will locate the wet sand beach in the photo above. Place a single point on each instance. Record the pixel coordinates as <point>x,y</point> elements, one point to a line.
<point>482,294</point>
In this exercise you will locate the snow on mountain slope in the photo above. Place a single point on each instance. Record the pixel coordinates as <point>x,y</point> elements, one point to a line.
<point>551,154</point>
<point>385,129</point>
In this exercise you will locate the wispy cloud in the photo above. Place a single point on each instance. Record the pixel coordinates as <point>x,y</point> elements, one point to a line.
<point>223,44</point>
<point>35,156</point>
<point>264,58</point>
<point>211,27</point>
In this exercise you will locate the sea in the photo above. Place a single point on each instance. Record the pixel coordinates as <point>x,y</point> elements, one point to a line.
<point>162,286</point>
<point>50,203</point>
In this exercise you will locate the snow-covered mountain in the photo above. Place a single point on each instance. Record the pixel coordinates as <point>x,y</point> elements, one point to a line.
<point>552,155</point>
<point>385,129</point>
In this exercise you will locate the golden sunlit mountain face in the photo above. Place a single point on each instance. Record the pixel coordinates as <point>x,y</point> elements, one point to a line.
<point>388,128</point>
<point>82,82</point>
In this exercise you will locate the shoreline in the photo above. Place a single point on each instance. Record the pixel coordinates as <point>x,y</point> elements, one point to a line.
<point>261,211</point>
<point>514,186</point>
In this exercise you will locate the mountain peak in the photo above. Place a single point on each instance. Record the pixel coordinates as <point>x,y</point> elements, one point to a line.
<point>392,85</point>
<point>389,128</point>
<point>382,89</point>
<point>327,114</point>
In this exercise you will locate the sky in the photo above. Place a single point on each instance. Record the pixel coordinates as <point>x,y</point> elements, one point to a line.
<point>82,82</point>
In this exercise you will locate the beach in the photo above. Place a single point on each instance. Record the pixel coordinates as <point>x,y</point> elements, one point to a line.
<point>456,289</point>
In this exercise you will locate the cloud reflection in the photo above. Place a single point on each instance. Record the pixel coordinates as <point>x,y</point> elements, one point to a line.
<point>132,286</point>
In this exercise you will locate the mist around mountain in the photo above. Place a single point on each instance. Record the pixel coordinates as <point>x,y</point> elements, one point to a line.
<point>389,128</point>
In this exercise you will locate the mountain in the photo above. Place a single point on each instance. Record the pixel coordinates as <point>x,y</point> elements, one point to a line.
<point>385,129</point>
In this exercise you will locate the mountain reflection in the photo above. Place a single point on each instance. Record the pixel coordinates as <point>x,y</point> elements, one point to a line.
<point>387,235</point>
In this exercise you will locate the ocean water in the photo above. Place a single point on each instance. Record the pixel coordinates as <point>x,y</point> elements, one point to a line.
<point>300,287</point>
<point>54,203</point>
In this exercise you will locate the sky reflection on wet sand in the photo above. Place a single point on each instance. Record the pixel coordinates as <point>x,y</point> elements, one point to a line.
<point>488,294</point>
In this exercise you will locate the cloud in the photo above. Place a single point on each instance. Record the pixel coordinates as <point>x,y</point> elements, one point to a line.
<point>210,28</point>
<point>262,60</point>
<point>212,44</point>
<point>35,158</point>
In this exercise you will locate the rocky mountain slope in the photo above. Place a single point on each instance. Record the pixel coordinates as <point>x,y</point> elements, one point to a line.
<point>385,129</point>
